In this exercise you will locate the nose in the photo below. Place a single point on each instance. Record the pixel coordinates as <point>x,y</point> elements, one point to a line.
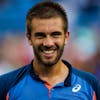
<point>48,41</point>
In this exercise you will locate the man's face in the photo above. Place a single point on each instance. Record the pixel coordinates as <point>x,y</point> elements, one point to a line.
<point>48,40</point>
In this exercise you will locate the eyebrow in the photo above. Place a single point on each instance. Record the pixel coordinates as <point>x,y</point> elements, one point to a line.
<point>39,34</point>
<point>56,33</point>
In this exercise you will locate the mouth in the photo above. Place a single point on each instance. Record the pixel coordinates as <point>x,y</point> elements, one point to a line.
<point>48,53</point>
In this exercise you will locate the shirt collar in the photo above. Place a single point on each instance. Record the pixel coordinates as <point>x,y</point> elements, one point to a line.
<point>32,72</point>
<point>67,81</point>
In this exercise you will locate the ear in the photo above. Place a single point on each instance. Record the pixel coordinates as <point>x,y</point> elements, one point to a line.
<point>67,36</point>
<point>29,38</point>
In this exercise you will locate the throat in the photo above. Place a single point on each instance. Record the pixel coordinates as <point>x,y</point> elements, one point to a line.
<point>52,75</point>
<point>55,79</point>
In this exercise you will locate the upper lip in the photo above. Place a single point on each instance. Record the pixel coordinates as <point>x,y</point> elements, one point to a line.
<point>48,49</point>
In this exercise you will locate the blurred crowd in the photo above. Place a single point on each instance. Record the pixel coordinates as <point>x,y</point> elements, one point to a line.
<point>82,50</point>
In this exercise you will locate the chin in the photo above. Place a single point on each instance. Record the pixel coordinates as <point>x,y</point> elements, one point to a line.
<point>49,63</point>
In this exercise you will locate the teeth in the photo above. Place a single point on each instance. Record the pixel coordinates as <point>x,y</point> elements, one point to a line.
<point>48,52</point>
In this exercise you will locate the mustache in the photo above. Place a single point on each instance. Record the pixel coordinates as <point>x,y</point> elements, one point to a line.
<point>42,48</point>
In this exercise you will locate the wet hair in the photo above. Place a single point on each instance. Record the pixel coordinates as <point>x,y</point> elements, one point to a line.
<point>46,10</point>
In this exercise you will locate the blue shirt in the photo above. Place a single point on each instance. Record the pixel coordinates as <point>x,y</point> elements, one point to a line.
<point>23,84</point>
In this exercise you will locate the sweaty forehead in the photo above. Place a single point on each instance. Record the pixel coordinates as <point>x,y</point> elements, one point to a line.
<point>52,24</point>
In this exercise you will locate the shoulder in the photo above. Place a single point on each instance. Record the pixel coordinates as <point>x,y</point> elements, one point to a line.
<point>90,78</point>
<point>9,79</point>
<point>87,76</point>
<point>10,76</point>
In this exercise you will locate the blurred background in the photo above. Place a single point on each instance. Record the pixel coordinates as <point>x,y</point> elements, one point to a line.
<point>82,50</point>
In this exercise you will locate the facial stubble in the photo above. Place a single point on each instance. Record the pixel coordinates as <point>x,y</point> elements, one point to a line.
<point>38,56</point>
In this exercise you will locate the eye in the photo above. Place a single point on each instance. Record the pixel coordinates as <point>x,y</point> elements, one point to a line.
<point>39,35</point>
<point>56,34</point>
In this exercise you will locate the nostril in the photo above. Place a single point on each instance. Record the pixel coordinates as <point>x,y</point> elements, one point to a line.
<point>48,42</point>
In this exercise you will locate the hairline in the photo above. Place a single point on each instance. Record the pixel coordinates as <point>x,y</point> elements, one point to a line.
<point>48,19</point>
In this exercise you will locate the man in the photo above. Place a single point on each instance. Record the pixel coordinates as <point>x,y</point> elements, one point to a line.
<point>48,76</point>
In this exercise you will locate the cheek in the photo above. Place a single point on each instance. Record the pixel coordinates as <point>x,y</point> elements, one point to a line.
<point>61,41</point>
<point>36,45</point>
<point>34,42</point>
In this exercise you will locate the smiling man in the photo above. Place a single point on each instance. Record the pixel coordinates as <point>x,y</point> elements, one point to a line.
<point>48,77</point>
<point>48,40</point>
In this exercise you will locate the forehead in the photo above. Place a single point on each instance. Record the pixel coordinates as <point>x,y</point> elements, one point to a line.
<point>48,25</point>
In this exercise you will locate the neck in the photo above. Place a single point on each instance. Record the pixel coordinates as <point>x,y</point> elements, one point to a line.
<point>46,70</point>
<point>52,74</point>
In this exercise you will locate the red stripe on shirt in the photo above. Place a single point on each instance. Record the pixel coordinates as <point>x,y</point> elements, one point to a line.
<point>94,96</point>
<point>7,97</point>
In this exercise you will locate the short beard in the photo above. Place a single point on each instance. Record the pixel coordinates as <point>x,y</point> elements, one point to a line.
<point>49,64</point>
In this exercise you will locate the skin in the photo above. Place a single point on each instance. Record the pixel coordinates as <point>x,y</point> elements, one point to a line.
<point>48,40</point>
